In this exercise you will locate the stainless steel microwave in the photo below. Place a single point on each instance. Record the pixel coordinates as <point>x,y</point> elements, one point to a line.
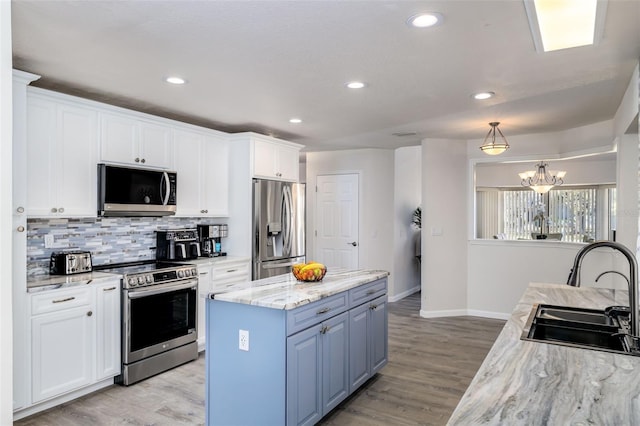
<point>130,191</point>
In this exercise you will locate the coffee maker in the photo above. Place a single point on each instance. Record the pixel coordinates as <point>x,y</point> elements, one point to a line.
<point>210,239</point>
<point>177,244</point>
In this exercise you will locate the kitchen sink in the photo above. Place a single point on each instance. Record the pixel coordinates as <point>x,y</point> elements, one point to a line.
<point>605,330</point>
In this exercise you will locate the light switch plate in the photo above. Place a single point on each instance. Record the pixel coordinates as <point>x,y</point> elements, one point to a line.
<point>49,241</point>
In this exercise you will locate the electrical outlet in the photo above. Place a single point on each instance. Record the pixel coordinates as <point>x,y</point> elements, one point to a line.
<point>243,340</point>
<point>49,241</point>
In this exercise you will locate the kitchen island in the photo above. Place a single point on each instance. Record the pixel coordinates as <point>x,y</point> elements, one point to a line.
<point>531,383</point>
<point>279,351</point>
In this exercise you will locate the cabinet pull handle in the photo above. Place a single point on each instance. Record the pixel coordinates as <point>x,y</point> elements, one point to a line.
<point>63,300</point>
<point>143,160</point>
<point>370,292</point>
<point>89,313</point>
<point>204,273</point>
<point>54,210</point>
<point>137,160</point>
<point>108,289</point>
<point>373,307</point>
<point>324,329</point>
<point>61,210</point>
<point>231,270</point>
<point>323,311</point>
<point>20,209</point>
<point>20,228</point>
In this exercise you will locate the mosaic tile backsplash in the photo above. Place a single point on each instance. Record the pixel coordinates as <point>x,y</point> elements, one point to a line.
<point>110,240</point>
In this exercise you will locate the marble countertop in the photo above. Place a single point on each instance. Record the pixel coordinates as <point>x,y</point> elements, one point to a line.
<point>530,383</point>
<point>53,282</point>
<point>285,292</point>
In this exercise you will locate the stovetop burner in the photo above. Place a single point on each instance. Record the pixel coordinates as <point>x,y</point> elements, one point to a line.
<point>149,272</point>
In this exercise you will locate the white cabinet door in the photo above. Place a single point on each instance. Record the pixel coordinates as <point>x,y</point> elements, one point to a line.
<point>155,145</point>
<point>188,164</point>
<point>108,329</point>
<point>61,151</point>
<point>129,140</point>
<point>216,176</point>
<point>288,163</point>
<point>119,139</point>
<point>202,164</point>
<point>61,351</point>
<point>264,159</point>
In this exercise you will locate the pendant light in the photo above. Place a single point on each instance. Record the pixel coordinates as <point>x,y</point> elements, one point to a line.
<point>492,147</point>
<point>542,180</point>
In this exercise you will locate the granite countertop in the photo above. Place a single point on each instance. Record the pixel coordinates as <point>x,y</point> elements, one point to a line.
<point>53,282</point>
<point>530,383</point>
<point>285,292</point>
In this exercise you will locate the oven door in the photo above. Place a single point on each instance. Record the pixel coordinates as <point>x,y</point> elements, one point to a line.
<point>159,318</point>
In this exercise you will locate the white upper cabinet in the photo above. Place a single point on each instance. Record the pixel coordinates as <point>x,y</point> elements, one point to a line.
<point>61,158</point>
<point>274,159</point>
<point>132,141</point>
<point>202,165</point>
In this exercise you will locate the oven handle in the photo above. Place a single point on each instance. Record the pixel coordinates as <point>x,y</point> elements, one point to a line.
<point>142,293</point>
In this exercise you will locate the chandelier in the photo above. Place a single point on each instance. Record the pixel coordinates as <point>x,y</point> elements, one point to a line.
<point>542,180</point>
<point>490,145</point>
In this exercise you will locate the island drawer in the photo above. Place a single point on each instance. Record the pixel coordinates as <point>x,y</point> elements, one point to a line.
<point>367,292</point>
<point>316,312</point>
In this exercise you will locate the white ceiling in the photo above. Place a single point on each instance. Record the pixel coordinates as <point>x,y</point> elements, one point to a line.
<point>252,65</point>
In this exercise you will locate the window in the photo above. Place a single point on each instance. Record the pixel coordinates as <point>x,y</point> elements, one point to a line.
<point>575,214</point>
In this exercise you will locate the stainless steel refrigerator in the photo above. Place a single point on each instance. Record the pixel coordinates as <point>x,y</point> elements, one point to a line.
<point>278,227</point>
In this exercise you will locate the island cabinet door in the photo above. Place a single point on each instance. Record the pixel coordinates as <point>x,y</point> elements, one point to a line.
<point>335,361</point>
<point>304,402</point>
<point>379,332</point>
<point>359,364</point>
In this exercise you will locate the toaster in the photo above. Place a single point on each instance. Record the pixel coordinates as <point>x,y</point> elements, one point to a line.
<point>70,262</point>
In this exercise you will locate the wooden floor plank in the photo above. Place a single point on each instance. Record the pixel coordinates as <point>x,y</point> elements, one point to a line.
<point>431,363</point>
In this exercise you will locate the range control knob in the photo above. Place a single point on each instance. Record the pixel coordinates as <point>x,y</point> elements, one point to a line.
<point>194,272</point>
<point>187,272</point>
<point>180,274</point>
<point>140,280</point>
<point>132,281</point>
<point>149,279</point>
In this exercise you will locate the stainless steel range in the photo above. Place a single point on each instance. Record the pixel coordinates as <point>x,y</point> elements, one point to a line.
<point>159,302</point>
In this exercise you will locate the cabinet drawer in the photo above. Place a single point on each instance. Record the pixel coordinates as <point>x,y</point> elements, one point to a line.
<point>367,292</point>
<point>231,273</point>
<point>58,300</point>
<point>316,312</point>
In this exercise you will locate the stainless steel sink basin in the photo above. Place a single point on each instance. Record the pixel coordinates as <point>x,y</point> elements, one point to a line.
<point>604,330</point>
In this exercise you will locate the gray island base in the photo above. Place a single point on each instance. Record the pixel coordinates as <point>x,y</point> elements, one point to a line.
<point>280,352</point>
<point>531,383</point>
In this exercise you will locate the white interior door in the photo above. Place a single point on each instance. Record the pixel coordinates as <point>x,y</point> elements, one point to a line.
<point>337,243</point>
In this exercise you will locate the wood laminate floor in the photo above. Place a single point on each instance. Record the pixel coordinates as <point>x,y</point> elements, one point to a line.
<point>431,363</point>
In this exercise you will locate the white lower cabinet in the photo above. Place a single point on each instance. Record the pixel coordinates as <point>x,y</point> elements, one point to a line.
<point>75,336</point>
<point>204,287</point>
<point>62,342</point>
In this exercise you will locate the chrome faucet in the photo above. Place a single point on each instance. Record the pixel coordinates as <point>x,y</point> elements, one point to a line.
<point>574,277</point>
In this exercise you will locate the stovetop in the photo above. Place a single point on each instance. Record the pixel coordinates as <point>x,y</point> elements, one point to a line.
<point>151,272</point>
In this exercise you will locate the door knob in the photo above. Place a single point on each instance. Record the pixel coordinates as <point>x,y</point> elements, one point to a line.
<point>353,243</point>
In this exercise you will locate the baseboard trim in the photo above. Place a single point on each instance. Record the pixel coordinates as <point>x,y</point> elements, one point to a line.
<point>488,314</point>
<point>442,314</point>
<point>464,313</point>
<point>404,294</point>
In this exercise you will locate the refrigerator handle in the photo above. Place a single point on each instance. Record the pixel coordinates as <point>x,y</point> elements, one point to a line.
<point>287,218</point>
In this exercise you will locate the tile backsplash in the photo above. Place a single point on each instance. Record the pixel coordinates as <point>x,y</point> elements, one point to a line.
<point>110,240</point>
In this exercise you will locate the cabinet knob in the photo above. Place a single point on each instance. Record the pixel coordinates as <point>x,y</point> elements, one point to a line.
<point>353,243</point>
<point>20,209</point>
<point>373,307</point>
<point>20,228</point>
<point>206,211</point>
<point>89,313</point>
<point>54,210</point>
<point>143,160</point>
<point>61,210</point>
<point>137,160</point>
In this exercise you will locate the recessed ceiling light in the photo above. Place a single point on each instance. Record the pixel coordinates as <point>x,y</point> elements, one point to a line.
<point>355,85</point>
<point>483,95</point>
<point>295,121</point>
<point>425,20</point>
<point>175,80</point>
